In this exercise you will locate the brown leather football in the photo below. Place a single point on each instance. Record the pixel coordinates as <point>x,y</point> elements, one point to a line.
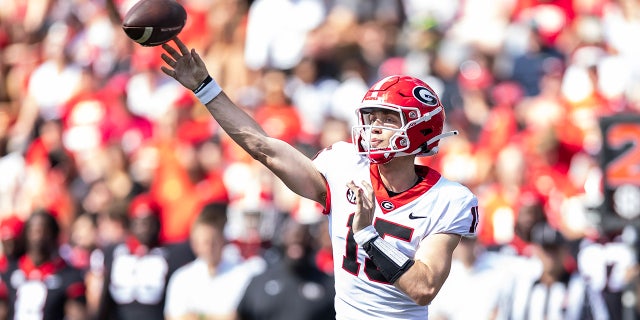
<point>154,22</point>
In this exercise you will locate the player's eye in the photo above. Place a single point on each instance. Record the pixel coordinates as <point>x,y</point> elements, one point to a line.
<point>390,120</point>
<point>382,117</point>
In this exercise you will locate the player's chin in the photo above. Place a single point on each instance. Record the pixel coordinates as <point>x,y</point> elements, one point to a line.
<point>377,145</point>
<point>379,148</point>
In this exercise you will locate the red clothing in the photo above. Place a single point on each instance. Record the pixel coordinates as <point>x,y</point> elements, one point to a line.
<point>180,198</point>
<point>550,17</point>
<point>280,121</point>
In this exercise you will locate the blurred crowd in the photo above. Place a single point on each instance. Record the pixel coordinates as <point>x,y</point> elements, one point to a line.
<point>93,134</point>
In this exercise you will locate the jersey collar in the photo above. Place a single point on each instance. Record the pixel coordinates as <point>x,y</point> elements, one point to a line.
<point>429,178</point>
<point>39,272</point>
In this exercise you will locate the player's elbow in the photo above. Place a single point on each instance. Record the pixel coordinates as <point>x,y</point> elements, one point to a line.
<point>424,297</point>
<point>421,294</point>
<point>258,148</point>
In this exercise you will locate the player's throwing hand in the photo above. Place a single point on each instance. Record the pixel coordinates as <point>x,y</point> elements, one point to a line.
<point>186,66</point>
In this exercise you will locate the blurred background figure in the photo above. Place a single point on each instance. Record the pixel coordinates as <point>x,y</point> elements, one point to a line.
<point>551,287</point>
<point>276,32</point>
<point>112,229</point>
<point>610,262</point>
<point>292,286</point>
<point>136,271</point>
<point>211,286</point>
<point>13,247</point>
<point>40,284</point>
<point>477,276</point>
<point>12,238</point>
<point>82,241</point>
<point>529,213</point>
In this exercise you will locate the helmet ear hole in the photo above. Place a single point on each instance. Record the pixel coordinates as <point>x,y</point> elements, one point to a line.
<point>426,132</point>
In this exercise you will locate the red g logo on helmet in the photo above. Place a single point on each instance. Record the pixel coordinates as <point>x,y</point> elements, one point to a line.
<point>425,95</point>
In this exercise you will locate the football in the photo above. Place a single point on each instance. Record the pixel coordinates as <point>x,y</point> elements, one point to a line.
<point>154,22</point>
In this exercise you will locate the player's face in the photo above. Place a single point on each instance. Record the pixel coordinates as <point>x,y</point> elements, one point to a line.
<point>146,229</point>
<point>207,243</point>
<point>384,122</point>
<point>39,235</point>
<point>551,257</point>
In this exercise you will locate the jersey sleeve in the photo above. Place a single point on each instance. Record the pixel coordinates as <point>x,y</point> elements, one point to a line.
<point>327,157</point>
<point>461,216</point>
<point>334,161</point>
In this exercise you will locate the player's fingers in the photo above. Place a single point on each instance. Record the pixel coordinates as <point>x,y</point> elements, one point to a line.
<point>356,190</point>
<point>168,60</point>
<point>360,194</point>
<point>197,59</point>
<point>183,48</point>
<point>168,71</point>
<point>367,186</point>
<point>368,193</point>
<point>171,51</point>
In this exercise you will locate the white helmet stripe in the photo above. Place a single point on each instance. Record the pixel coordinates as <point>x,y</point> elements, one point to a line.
<point>379,85</point>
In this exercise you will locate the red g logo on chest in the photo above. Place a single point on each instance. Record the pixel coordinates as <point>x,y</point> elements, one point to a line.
<point>387,205</point>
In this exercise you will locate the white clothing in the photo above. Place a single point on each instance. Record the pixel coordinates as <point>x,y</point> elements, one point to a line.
<point>478,287</point>
<point>51,86</point>
<point>193,290</point>
<point>277,31</point>
<point>346,98</point>
<point>435,205</point>
<point>566,299</point>
<point>13,171</point>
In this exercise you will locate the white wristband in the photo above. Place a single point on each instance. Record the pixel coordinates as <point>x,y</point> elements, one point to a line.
<point>207,90</point>
<point>363,236</point>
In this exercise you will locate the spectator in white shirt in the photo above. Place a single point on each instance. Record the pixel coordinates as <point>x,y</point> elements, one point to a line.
<point>211,286</point>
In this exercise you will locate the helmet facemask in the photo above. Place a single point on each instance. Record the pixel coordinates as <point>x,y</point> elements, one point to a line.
<point>400,141</point>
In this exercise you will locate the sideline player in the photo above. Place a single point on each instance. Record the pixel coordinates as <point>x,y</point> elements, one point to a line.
<point>393,224</point>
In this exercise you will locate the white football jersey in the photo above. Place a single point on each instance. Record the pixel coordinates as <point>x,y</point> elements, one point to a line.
<point>435,205</point>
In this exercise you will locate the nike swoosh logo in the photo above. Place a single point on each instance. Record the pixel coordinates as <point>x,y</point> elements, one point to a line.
<point>411,216</point>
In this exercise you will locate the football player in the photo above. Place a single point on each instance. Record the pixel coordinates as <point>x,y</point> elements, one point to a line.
<point>40,284</point>
<point>393,224</point>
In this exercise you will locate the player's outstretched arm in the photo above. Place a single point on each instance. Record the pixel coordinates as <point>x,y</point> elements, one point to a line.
<point>294,168</point>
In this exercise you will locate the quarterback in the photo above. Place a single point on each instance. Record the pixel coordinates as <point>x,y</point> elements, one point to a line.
<point>393,224</point>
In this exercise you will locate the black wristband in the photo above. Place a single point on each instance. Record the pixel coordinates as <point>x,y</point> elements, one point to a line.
<point>390,261</point>
<point>203,84</point>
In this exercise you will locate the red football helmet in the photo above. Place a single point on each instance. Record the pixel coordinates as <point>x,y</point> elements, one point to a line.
<point>419,108</point>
